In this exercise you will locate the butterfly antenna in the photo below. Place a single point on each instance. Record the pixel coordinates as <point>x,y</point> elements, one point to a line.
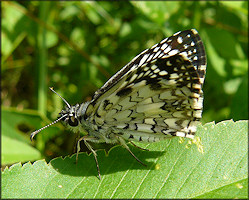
<point>68,105</point>
<point>32,135</point>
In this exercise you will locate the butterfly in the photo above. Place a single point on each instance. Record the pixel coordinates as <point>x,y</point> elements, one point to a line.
<point>156,96</point>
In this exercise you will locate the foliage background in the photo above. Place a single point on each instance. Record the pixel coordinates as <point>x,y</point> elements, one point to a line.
<point>76,46</point>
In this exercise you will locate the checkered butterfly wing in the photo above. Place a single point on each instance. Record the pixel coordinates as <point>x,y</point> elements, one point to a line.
<point>157,95</point>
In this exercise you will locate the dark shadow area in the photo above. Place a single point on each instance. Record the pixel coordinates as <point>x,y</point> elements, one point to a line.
<point>118,159</point>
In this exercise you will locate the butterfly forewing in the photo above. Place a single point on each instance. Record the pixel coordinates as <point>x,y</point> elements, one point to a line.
<point>157,95</point>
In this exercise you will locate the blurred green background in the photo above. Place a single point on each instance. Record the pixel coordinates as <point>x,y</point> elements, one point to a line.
<point>76,47</point>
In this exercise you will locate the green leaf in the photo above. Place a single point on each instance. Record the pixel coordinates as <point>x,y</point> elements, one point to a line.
<point>233,191</point>
<point>16,128</point>
<point>15,151</point>
<point>10,38</point>
<point>239,109</point>
<point>175,169</point>
<point>217,62</point>
<point>224,43</point>
<point>157,11</point>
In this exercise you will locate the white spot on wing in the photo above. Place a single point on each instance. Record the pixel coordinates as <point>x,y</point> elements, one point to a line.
<point>121,126</point>
<point>151,56</point>
<point>153,67</point>
<point>163,40</point>
<point>184,55</point>
<point>146,68</point>
<point>167,49</point>
<point>167,95</point>
<point>179,40</point>
<point>149,109</point>
<point>144,127</point>
<point>140,75</point>
<point>156,70</point>
<point>194,31</point>
<point>177,33</point>
<point>180,134</point>
<point>174,76</point>
<point>173,52</point>
<point>133,67</point>
<point>133,78</point>
<point>168,63</point>
<point>146,73</point>
<point>163,73</point>
<point>164,46</point>
<point>156,49</point>
<point>171,122</point>
<point>149,121</point>
<point>156,55</point>
<point>143,59</point>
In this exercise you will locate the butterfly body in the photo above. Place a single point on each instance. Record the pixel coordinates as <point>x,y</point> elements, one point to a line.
<point>156,96</point>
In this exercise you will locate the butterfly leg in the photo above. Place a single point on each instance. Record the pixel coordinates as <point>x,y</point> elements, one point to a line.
<point>123,143</point>
<point>138,146</point>
<point>85,138</point>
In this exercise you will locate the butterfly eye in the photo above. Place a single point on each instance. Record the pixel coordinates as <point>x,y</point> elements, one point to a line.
<point>73,121</point>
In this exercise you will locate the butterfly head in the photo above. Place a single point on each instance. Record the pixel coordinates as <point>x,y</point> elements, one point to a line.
<point>68,116</point>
